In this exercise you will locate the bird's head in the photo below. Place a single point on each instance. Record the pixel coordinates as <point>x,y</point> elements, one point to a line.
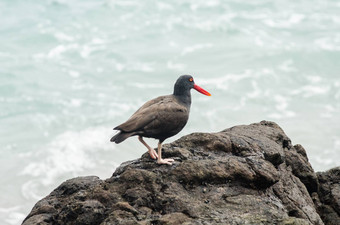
<point>186,82</point>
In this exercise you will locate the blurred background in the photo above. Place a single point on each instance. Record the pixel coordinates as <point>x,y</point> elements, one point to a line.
<point>71,70</point>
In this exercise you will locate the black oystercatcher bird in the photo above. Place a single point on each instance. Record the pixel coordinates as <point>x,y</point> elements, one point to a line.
<point>160,118</point>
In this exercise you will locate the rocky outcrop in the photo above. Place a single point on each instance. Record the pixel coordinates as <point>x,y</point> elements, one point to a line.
<point>242,175</point>
<point>328,198</point>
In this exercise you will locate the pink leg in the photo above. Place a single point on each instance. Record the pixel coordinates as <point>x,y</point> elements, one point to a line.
<point>152,152</point>
<point>160,160</point>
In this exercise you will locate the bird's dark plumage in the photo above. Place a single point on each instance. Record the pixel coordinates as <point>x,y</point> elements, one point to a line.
<point>159,118</point>
<point>162,117</point>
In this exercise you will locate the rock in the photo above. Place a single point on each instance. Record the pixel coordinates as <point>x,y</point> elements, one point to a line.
<point>242,175</point>
<point>328,202</point>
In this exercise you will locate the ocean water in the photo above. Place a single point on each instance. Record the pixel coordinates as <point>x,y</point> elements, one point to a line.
<point>71,70</point>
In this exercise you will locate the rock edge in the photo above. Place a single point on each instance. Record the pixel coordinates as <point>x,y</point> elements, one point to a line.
<point>248,174</point>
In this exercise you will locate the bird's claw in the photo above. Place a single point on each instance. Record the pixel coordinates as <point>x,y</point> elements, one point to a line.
<point>153,154</point>
<point>165,161</point>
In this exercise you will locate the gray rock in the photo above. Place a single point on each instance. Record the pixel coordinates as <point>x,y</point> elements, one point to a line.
<point>328,201</point>
<point>242,175</point>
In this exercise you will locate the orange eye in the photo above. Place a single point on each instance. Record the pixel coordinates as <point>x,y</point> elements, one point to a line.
<point>191,80</point>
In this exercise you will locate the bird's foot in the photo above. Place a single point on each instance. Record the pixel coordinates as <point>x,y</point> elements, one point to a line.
<point>165,161</point>
<point>153,154</point>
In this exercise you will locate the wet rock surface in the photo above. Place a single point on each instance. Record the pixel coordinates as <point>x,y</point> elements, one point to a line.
<point>249,174</point>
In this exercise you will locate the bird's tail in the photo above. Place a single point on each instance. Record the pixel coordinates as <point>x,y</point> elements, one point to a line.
<point>120,137</point>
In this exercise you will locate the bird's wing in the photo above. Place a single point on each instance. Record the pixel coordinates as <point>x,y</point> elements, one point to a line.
<point>169,116</point>
<point>154,101</point>
<point>143,116</point>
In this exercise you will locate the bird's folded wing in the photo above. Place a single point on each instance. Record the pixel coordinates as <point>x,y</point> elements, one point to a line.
<point>148,113</point>
<point>136,122</point>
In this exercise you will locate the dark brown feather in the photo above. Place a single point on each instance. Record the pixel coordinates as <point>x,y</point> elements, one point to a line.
<point>159,118</point>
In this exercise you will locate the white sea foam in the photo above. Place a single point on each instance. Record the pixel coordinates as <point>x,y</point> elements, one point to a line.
<point>324,161</point>
<point>225,81</point>
<point>203,4</point>
<point>296,18</point>
<point>281,102</point>
<point>311,90</point>
<point>328,112</point>
<point>164,6</point>
<point>57,51</point>
<point>281,106</point>
<point>175,66</point>
<point>123,3</point>
<point>86,50</point>
<point>76,102</point>
<point>287,66</point>
<point>98,41</point>
<point>337,144</point>
<point>329,43</point>
<point>337,85</point>
<point>146,85</point>
<point>256,90</point>
<point>13,215</point>
<point>314,79</point>
<point>30,189</point>
<point>194,48</point>
<point>258,41</point>
<point>73,73</point>
<point>143,67</point>
<point>69,153</point>
<point>63,37</point>
<point>284,22</point>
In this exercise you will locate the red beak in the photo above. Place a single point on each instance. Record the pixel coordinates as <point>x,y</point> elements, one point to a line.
<point>201,90</point>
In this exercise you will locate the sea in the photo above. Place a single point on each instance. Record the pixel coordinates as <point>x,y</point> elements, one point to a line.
<point>71,70</point>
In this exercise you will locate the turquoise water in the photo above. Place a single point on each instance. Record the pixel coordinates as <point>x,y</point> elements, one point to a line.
<point>72,70</point>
